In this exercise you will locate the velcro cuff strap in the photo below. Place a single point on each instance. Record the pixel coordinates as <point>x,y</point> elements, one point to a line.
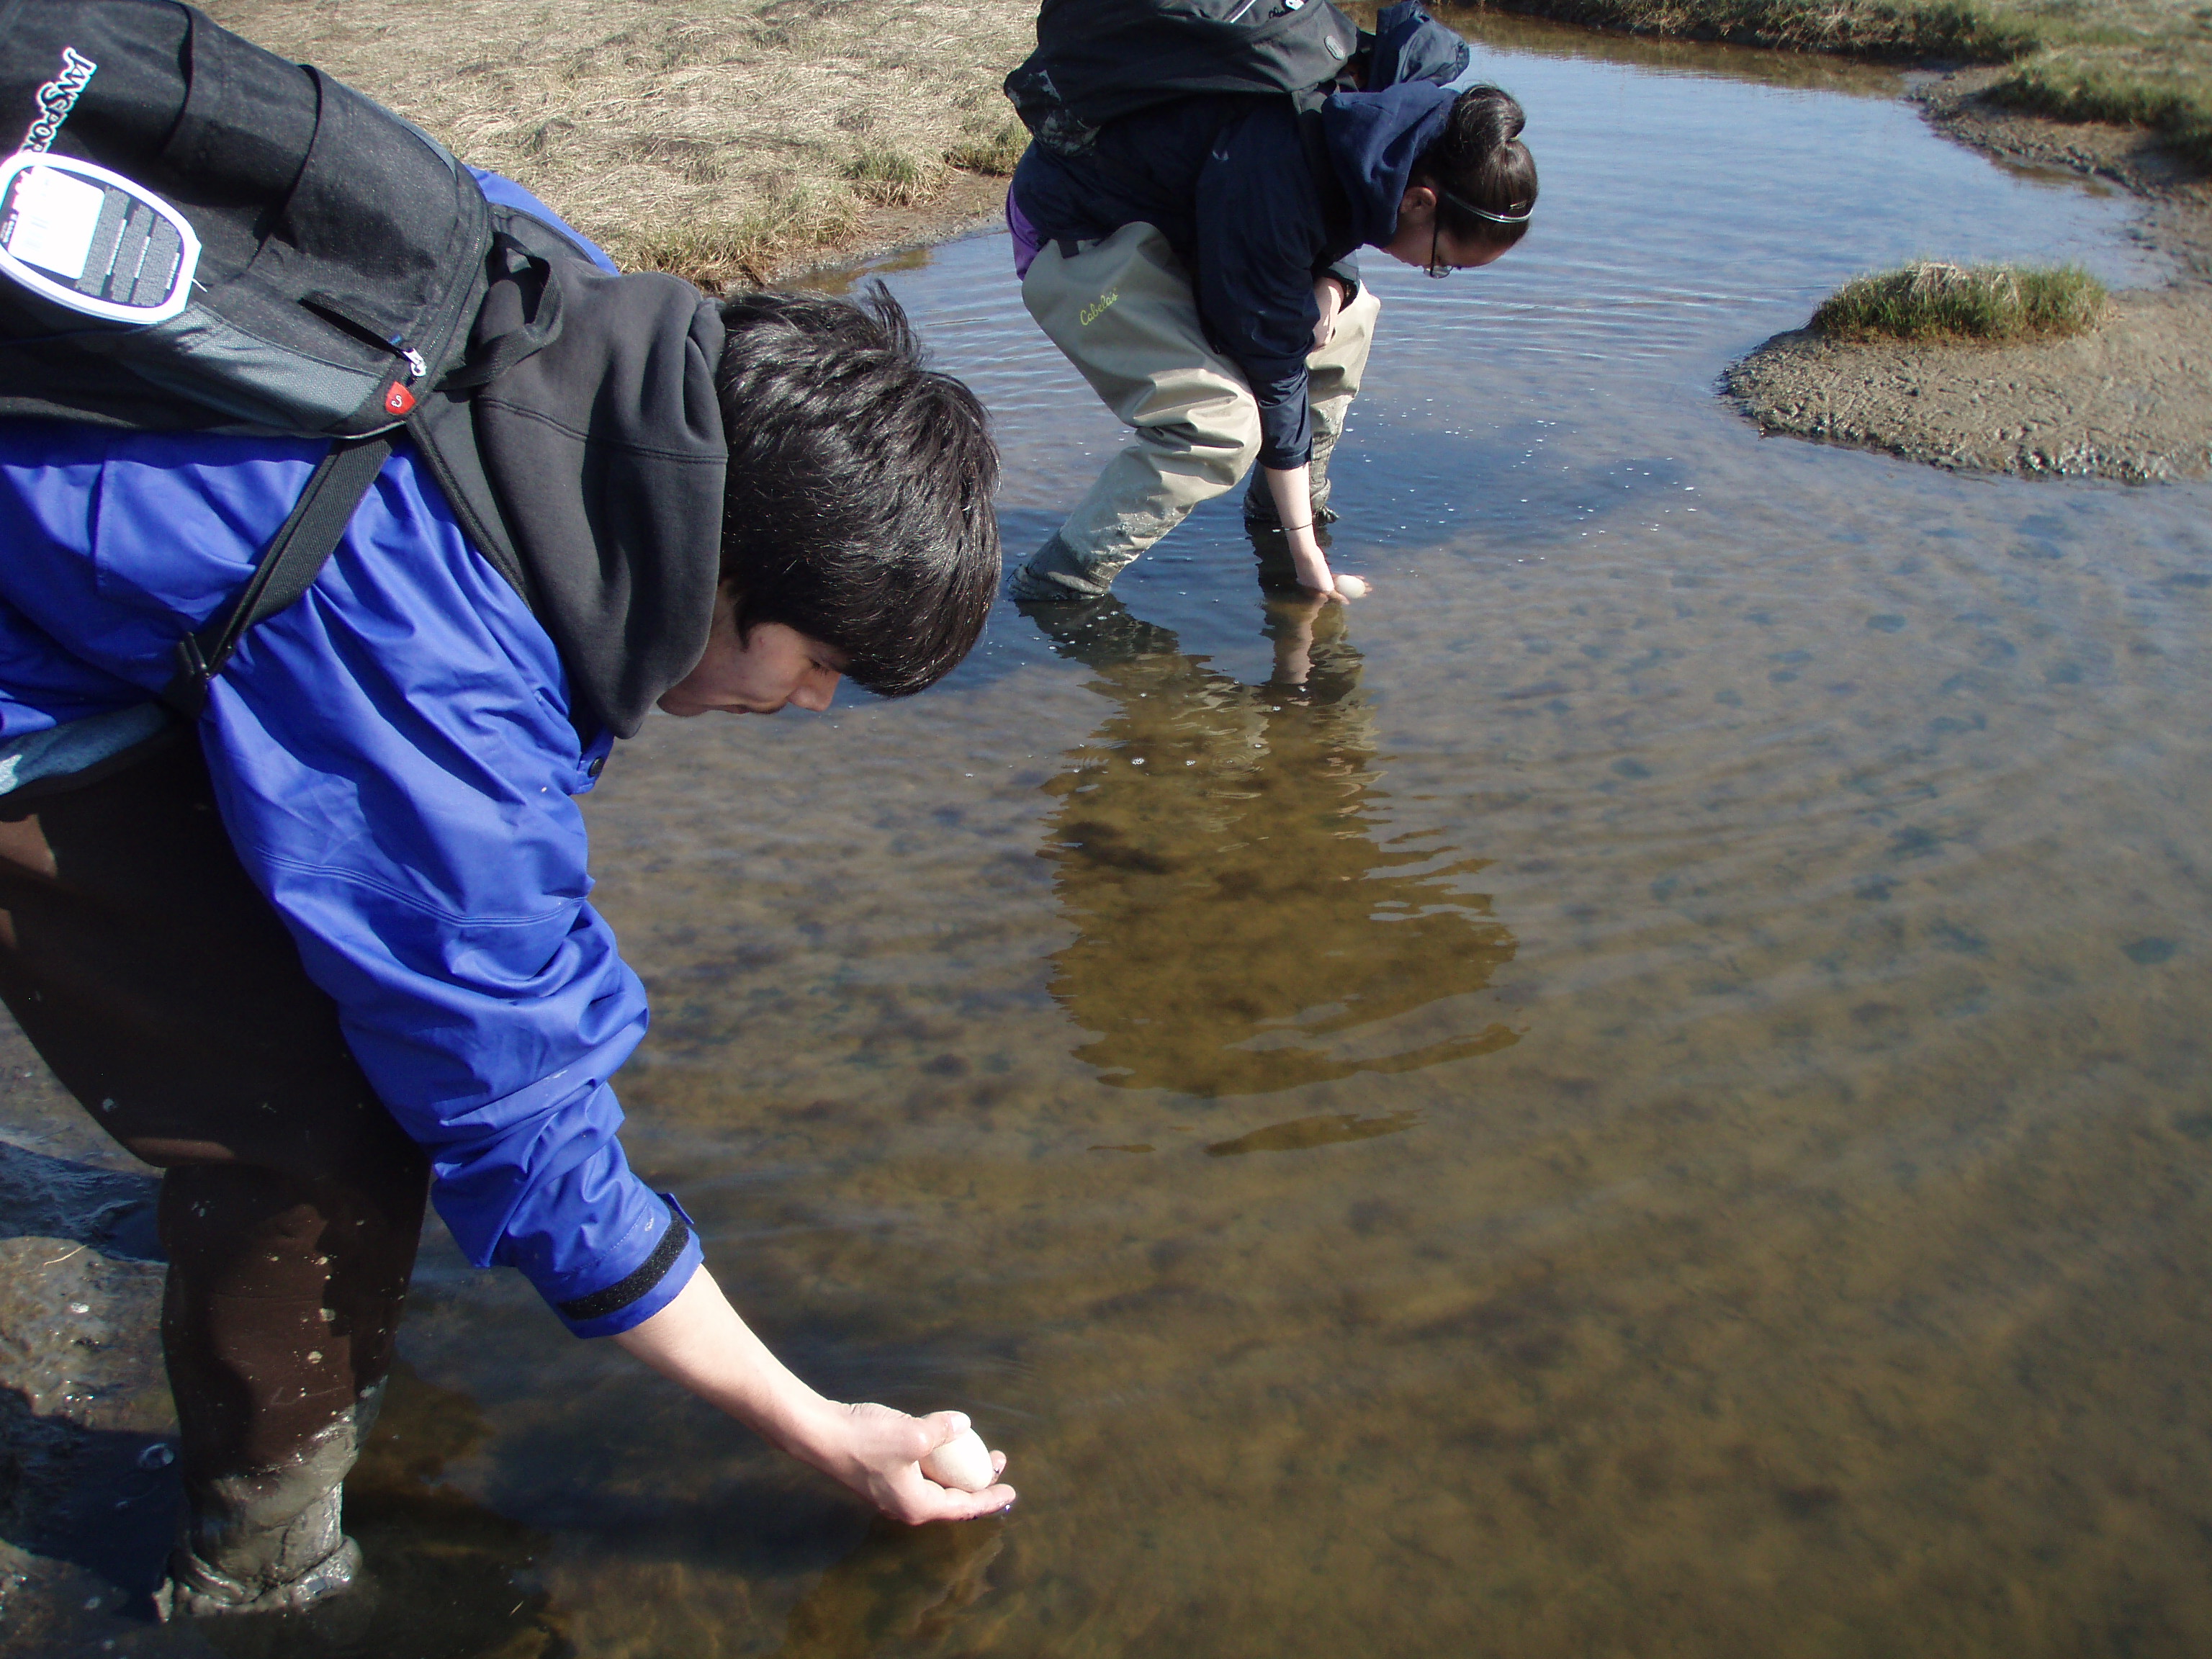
<point>617,1297</point>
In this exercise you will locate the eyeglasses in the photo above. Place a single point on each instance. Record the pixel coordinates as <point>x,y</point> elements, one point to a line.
<point>1437,268</point>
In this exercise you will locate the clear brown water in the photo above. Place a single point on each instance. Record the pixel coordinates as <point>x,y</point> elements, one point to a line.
<point>1655,1105</point>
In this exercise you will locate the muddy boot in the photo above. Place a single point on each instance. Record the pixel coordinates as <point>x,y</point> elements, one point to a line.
<point>1260,513</point>
<point>276,1324</point>
<point>1057,574</point>
<point>270,1541</point>
<point>280,1568</point>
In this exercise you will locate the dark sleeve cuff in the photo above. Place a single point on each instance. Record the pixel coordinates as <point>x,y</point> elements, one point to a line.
<point>1345,270</point>
<point>645,1290</point>
<point>1286,433</point>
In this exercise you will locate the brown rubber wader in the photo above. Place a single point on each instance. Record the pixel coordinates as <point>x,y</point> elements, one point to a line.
<point>162,987</point>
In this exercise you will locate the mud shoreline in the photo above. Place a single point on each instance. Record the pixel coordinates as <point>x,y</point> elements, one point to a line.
<point>88,1493</point>
<point>2132,400</point>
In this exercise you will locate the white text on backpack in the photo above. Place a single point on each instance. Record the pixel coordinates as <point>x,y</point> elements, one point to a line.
<point>58,98</point>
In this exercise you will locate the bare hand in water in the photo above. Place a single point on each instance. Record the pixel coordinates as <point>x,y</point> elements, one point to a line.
<point>878,1452</point>
<point>698,1339</point>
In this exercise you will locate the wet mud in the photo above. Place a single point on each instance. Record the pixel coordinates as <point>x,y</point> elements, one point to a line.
<point>87,1487</point>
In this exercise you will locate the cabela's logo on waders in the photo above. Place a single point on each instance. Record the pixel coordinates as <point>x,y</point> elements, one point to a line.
<point>58,98</point>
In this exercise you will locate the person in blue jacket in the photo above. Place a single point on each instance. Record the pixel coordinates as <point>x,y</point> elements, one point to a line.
<point>1195,265</point>
<point>331,946</point>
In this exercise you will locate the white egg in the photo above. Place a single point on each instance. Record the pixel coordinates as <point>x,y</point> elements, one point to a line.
<point>1351,586</point>
<point>963,1463</point>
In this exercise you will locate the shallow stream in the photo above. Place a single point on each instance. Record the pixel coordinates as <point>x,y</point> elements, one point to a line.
<point>1651,1101</point>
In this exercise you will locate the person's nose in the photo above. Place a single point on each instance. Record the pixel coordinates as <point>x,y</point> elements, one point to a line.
<point>816,692</point>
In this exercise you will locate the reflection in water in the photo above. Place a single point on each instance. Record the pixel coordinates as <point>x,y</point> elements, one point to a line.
<point>1329,1129</point>
<point>1216,847</point>
<point>905,1590</point>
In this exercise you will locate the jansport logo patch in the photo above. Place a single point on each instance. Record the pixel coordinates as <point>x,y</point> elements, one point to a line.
<point>58,98</point>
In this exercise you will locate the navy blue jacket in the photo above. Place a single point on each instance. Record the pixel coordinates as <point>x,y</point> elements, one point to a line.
<point>1228,180</point>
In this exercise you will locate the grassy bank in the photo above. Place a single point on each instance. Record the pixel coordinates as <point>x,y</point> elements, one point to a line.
<point>1930,300</point>
<point>733,140</point>
<point>727,141</point>
<point>2147,62</point>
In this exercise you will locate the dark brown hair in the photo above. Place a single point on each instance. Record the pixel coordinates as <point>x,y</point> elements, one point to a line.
<point>858,509</point>
<point>1479,158</point>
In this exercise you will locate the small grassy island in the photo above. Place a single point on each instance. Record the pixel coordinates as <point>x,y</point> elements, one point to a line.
<point>1929,300</point>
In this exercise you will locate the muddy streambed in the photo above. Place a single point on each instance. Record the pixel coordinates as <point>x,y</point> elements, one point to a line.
<point>1642,1092</point>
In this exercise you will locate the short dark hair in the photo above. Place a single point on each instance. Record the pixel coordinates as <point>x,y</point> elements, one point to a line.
<point>858,509</point>
<point>1479,158</point>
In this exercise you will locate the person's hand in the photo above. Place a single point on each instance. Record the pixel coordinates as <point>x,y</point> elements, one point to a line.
<point>1314,576</point>
<point>699,1340</point>
<point>1328,299</point>
<point>878,1453</point>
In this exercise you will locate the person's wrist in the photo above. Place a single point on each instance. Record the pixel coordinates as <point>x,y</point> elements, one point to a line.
<point>811,1428</point>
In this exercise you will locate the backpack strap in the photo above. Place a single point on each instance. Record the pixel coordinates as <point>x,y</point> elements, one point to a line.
<point>302,545</point>
<point>521,314</point>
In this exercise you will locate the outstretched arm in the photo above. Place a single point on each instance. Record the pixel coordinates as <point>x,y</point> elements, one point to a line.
<point>699,1340</point>
<point>1291,489</point>
<point>1294,507</point>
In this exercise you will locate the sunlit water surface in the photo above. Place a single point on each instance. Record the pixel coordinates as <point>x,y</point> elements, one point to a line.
<point>1654,1104</point>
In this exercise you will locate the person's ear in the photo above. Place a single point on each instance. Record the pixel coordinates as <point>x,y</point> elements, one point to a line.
<point>1417,204</point>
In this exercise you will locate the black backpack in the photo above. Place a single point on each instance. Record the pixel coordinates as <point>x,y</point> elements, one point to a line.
<point>1098,59</point>
<point>197,235</point>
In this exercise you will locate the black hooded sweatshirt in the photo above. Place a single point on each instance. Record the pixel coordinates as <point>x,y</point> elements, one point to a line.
<point>590,474</point>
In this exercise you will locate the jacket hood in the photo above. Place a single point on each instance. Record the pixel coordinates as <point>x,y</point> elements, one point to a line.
<point>605,455</point>
<point>1410,45</point>
<point>1373,138</point>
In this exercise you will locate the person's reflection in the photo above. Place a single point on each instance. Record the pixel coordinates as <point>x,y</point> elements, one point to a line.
<point>1240,930</point>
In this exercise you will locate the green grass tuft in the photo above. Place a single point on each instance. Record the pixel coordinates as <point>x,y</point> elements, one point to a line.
<point>987,148</point>
<point>2145,61</point>
<point>1968,29</point>
<point>2141,87</point>
<point>718,254</point>
<point>889,177</point>
<point>1930,300</point>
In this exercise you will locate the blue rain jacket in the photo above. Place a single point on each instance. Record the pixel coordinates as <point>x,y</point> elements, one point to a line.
<point>394,759</point>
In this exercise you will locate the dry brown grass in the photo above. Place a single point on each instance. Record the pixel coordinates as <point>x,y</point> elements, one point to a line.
<point>888,176</point>
<point>990,146</point>
<point>723,139</point>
